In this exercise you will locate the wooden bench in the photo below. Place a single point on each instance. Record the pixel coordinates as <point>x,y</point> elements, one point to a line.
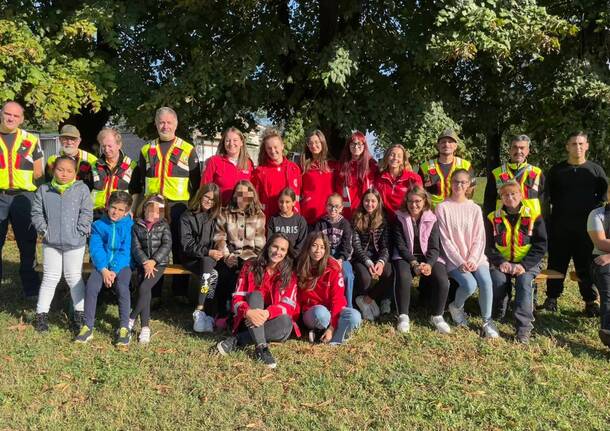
<point>574,276</point>
<point>548,274</point>
<point>170,270</point>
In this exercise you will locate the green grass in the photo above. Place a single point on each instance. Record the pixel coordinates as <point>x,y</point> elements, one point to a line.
<point>379,380</point>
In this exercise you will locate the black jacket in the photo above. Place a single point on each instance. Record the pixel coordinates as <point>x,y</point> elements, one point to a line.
<point>155,244</point>
<point>404,246</point>
<point>371,245</point>
<point>196,235</point>
<point>339,236</point>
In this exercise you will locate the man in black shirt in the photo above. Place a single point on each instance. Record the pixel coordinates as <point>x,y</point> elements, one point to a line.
<point>573,188</point>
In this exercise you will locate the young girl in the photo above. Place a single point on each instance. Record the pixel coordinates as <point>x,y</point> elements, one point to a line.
<point>318,177</point>
<point>240,236</point>
<point>321,296</point>
<point>371,255</point>
<point>274,173</point>
<point>395,180</point>
<point>198,253</point>
<point>62,213</point>
<point>339,233</point>
<point>291,224</point>
<point>463,237</point>
<point>417,239</point>
<point>264,302</point>
<point>355,174</point>
<point>151,243</point>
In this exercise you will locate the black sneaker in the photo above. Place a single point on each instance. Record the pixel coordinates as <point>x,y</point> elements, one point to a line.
<point>41,324</point>
<point>84,335</point>
<point>263,354</point>
<point>78,321</point>
<point>550,304</point>
<point>604,336</point>
<point>227,346</point>
<point>591,309</point>
<point>123,337</point>
<point>523,337</point>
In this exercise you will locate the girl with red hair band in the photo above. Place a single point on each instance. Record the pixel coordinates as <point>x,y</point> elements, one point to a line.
<point>356,173</point>
<point>318,177</point>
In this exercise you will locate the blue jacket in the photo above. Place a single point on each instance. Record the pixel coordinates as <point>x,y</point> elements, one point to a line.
<point>110,244</point>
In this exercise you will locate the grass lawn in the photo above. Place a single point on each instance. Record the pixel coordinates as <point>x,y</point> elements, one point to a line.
<point>379,380</point>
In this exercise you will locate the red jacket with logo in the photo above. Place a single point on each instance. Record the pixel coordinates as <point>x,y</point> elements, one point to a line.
<point>329,291</point>
<point>352,193</point>
<point>278,301</point>
<point>271,178</point>
<point>393,190</point>
<point>220,170</point>
<point>317,187</point>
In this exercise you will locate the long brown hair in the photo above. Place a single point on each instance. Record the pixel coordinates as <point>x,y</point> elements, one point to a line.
<point>254,207</point>
<point>362,221</point>
<point>363,164</point>
<point>284,268</point>
<point>307,157</point>
<point>406,165</point>
<point>308,271</point>
<point>195,203</point>
<point>243,161</point>
<point>419,192</point>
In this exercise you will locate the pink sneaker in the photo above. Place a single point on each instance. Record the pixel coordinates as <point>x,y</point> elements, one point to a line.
<point>221,323</point>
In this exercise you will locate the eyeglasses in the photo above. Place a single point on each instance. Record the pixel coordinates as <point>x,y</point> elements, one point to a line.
<point>415,201</point>
<point>334,207</point>
<point>207,200</point>
<point>356,144</point>
<point>460,183</point>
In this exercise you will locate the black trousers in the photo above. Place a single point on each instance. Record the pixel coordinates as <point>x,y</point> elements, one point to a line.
<point>227,280</point>
<point>278,329</point>
<point>363,281</point>
<point>601,278</point>
<point>570,240</point>
<point>436,285</point>
<point>146,285</point>
<point>17,210</point>
<point>180,283</point>
<point>200,267</point>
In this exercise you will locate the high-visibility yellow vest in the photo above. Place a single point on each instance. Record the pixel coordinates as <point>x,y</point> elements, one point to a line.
<point>168,176</point>
<point>529,179</point>
<point>435,183</point>
<point>513,242</point>
<point>106,181</point>
<point>17,166</point>
<point>84,163</point>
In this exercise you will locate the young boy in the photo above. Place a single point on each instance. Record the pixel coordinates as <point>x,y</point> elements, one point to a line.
<point>110,250</point>
<point>339,232</point>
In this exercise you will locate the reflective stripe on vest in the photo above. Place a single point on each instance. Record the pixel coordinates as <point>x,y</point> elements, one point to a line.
<point>434,175</point>
<point>104,184</point>
<point>83,156</point>
<point>168,176</point>
<point>513,242</point>
<point>528,179</point>
<point>17,167</point>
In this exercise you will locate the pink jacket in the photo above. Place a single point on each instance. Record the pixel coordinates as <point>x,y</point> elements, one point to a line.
<point>426,224</point>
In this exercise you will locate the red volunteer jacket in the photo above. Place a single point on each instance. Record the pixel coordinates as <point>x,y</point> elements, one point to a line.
<point>277,301</point>
<point>329,291</point>
<point>220,170</point>
<point>270,179</point>
<point>317,187</point>
<point>352,193</point>
<point>393,190</point>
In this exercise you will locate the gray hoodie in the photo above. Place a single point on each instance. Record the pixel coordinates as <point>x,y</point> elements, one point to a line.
<point>64,219</point>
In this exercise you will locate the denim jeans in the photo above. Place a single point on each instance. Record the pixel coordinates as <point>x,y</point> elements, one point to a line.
<point>318,317</point>
<point>93,288</point>
<point>468,282</point>
<point>523,309</point>
<point>601,278</point>
<point>348,275</point>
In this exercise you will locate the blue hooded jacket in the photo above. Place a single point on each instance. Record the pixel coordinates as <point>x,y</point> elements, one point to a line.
<point>110,243</point>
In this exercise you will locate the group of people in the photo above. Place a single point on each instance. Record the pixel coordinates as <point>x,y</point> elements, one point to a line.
<point>318,245</point>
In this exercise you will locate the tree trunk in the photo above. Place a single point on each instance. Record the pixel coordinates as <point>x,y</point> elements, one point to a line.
<point>494,142</point>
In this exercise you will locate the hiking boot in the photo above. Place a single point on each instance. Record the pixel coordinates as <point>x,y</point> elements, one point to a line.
<point>550,305</point>
<point>440,324</point>
<point>604,336</point>
<point>591,309</point>
<point>403,325</point>
<point>385,307</point>
<point>78,320</point>
<point>227,346</point>
<point>123,337</point>
<point>42,323</point>
<point>523,336</point>
<point>263,354</point>
<point>489,330</point>
<point>144,337</point>
<point>84,335</point>
<point>457,315</point>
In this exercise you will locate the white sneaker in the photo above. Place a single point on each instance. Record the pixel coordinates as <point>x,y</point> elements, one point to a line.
<point>209,324</point>
<point>365,309</point>
<point>489,330</point>
<point>131,324</point>
<point>458,315</point>
<point>440,324</point>
<point>404,324</point>
<point>375,309</point>
<point>144,337</point>
<point>199,321</point>
<point>386,306</point>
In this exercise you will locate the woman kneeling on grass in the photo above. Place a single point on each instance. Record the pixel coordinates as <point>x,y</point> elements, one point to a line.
<point>321,293</point>
<point>265,301</point>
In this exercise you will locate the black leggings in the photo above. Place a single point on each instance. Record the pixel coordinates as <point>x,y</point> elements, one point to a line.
<point>363,281</point>
<point>200,267</point>
<point>437,283</point>
<point>227,280</point>
<point>144,295</point>
<point>278,329</point>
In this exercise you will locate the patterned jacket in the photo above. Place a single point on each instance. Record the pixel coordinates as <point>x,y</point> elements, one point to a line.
<point>371,246</point>
<point>238,234</point>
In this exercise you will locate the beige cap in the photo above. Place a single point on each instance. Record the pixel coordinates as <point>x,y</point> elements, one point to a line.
<point>69,131</point>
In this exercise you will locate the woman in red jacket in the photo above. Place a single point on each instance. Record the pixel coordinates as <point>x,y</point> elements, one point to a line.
<point>395,180</point>
<point>230,165</point>
<point>321,293</point>
<point>318,177</point>
<point>265,301</point>
<point>356,173</point>
<point>274,173</point>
